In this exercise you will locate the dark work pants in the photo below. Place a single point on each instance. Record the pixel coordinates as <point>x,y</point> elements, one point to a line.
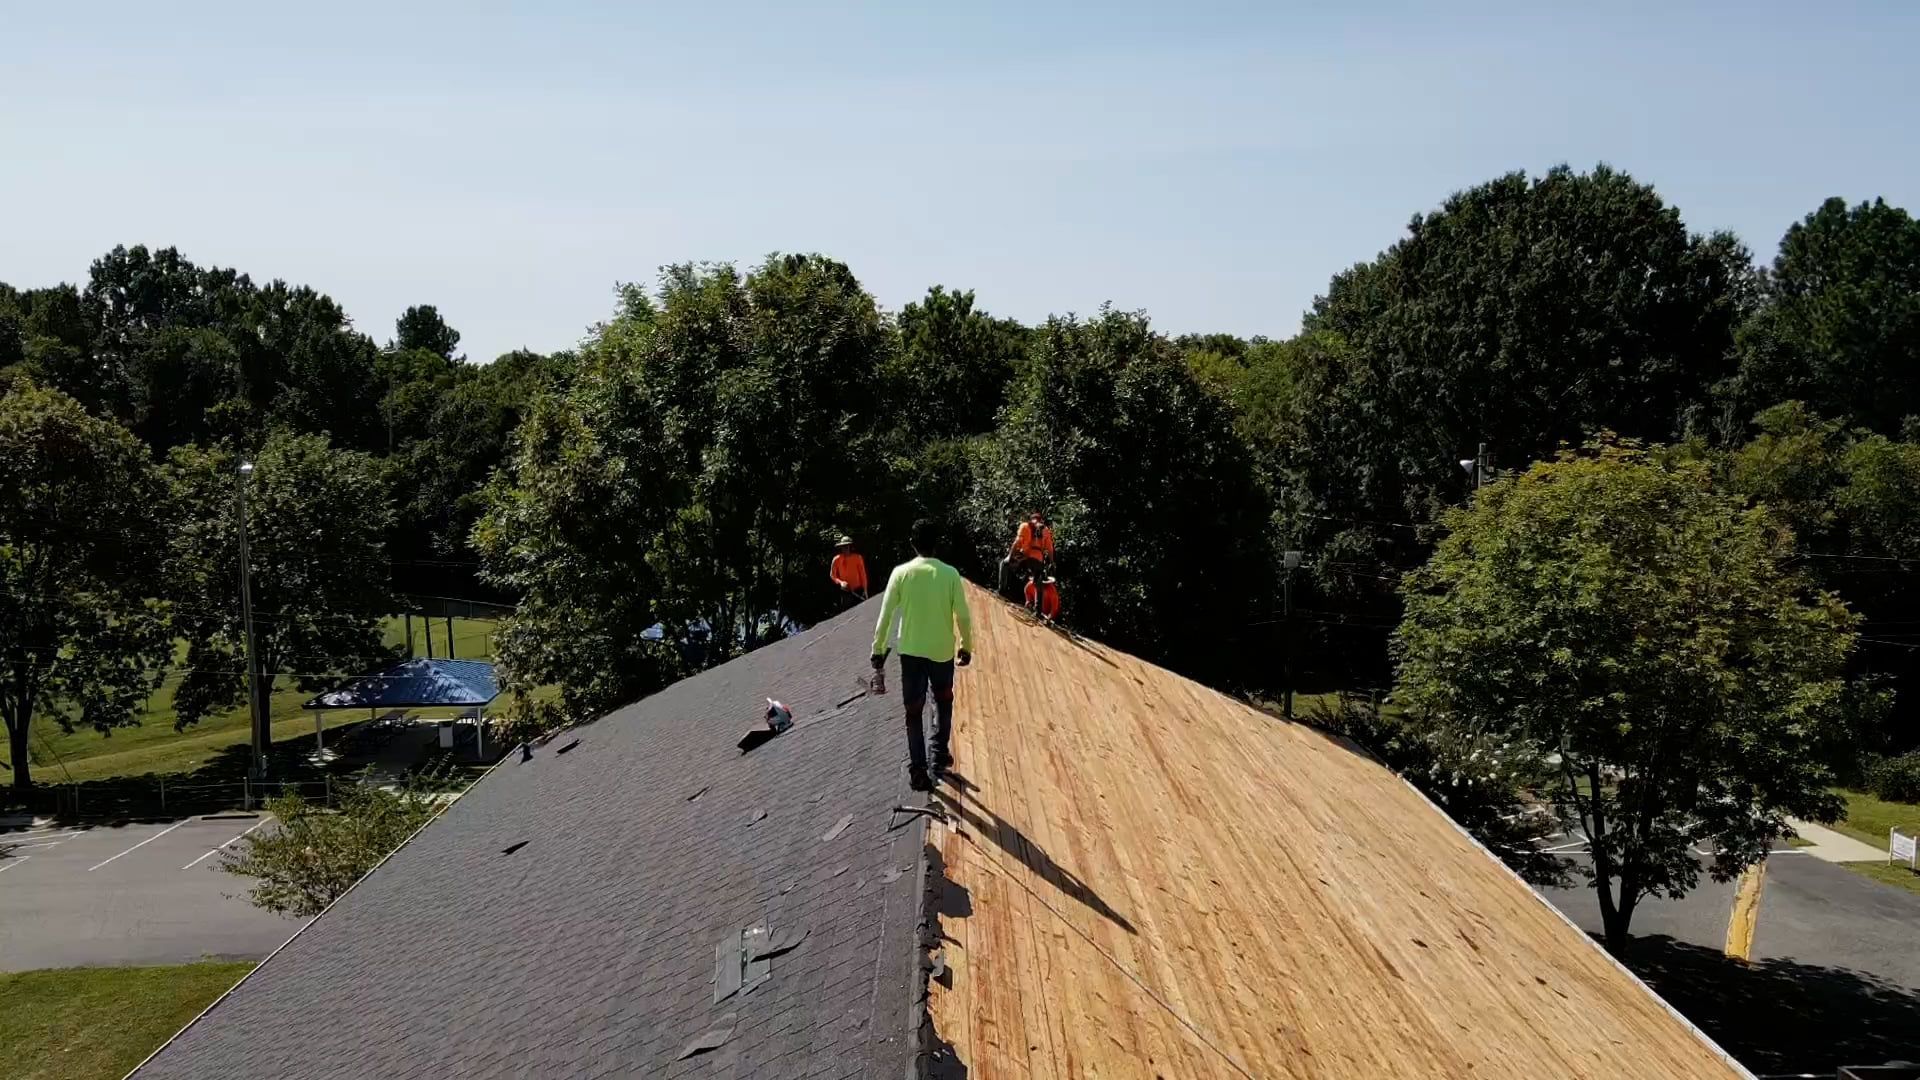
<point>917,673</point>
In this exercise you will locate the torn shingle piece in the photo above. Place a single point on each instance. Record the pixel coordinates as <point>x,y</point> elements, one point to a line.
<point>727,967</point>
<point>783,941</point>
<point>697,794</point>
<point>759,969</point>
<point>513,847</point>
<point>893,875</point>
<point>755,818</point>
<point>568,747</point>
<point>713,1038</point>
<point>838,828</point>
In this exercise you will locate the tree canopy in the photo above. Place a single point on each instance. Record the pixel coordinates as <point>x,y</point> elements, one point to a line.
<point>83,641</point>
<point>1840,326</point>
<point>1159,514</point>
<point>1524,313</point>
<point>665,496</point>
<point>1644,636</point>
<point>315,520</point>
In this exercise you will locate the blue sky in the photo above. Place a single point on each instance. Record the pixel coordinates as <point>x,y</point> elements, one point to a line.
<point>1212,164</point>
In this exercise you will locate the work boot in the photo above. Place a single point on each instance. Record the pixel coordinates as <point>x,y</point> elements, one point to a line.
<point>918,780</point>
<point>942,761</point>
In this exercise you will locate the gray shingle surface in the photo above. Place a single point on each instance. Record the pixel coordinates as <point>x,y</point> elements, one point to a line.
<point>590,951</point>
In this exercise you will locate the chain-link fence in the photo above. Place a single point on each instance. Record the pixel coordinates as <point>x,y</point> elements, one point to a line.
<point>159,796</point>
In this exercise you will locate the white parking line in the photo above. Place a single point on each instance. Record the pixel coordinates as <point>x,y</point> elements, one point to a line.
<point>236,839</point>
<point>139,845</point>
<point>11,863</point>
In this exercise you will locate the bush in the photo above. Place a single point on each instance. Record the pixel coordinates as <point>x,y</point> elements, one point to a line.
<point>1896,779</point>
<point>315,854</point>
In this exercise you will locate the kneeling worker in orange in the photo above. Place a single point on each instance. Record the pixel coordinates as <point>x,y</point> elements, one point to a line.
<point>928,599</point>
<point>1045,599</point>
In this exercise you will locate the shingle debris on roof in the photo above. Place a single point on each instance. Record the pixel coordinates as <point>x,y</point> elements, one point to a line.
<point>591,951</point>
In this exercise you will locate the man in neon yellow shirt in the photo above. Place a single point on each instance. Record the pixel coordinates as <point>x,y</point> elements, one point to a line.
<point>928,599</point>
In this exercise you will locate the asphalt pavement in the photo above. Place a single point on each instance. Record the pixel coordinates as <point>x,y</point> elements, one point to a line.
<point>1835,973</point>
<point>149,893</point>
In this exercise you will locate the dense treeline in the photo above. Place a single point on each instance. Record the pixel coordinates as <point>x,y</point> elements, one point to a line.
<point>665,496</point>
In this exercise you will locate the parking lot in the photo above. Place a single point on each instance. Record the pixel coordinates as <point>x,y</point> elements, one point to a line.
<point>149,893</point>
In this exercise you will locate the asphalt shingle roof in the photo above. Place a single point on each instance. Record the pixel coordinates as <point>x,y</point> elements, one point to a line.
<point>590,950</point>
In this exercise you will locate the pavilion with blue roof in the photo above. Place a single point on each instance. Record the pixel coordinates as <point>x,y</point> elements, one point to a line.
<point>468,686</point>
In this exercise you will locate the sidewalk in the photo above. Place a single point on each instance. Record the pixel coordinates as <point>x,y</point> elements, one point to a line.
<point>1835,847</point>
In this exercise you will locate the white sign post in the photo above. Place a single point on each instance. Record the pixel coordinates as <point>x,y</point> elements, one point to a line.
<point>1900,847</point>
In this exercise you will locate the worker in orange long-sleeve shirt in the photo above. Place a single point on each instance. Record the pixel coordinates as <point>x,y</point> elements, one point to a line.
<point>1032,549</point>
<point>849,569</point>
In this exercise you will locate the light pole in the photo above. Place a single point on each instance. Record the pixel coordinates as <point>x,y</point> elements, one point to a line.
<point>262,734</point>
<point>1291,560</point>
<point>1476,468</point>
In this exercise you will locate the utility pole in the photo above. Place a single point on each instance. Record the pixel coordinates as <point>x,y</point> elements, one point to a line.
<point>1291,560</point>
<point>262,734</point>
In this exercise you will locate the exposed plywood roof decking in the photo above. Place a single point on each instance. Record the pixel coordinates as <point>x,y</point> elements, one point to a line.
<point>1147,878</point>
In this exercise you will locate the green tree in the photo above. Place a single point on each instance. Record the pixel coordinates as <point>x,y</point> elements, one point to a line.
<point>52,339</point>
<point>316,521</point>
<point>1840,328</point>
<point>81,637</point>
<point>688,477</point>
<point>1617,620</point>
<point>1161,525</point>
<point>766,387</point>
<point>950,375</point>
<point>1524,314</point>
<point>1795,465</point>
<point>421,327</point>
<point>313,854</point>
<point>566,528</point>
<point>461,424</point>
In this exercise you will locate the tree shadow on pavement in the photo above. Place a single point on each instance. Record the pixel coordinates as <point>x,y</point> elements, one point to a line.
<point>1781,1016</point>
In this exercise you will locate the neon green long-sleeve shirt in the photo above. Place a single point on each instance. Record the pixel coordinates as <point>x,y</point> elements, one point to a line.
<point>927,597</point>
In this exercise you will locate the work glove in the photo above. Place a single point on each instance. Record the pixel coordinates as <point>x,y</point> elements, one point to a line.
<point>879,659</point>
<point>965,658</point>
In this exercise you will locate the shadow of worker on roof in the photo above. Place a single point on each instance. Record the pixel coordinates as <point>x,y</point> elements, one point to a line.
<point>1008,838</point>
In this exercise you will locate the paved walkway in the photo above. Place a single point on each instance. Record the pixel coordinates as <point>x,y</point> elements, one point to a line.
<point>1835,847</point>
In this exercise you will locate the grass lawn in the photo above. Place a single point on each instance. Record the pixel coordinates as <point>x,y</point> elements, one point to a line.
<point>154,747</point>
<point>82,1023</point>
<point>1869,817</point>
<point>1897,875</point>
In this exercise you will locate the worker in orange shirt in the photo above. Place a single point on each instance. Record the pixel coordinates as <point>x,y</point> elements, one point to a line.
<point>849,569</point>
<point>1032,549</point>
<point>1043,598</point>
